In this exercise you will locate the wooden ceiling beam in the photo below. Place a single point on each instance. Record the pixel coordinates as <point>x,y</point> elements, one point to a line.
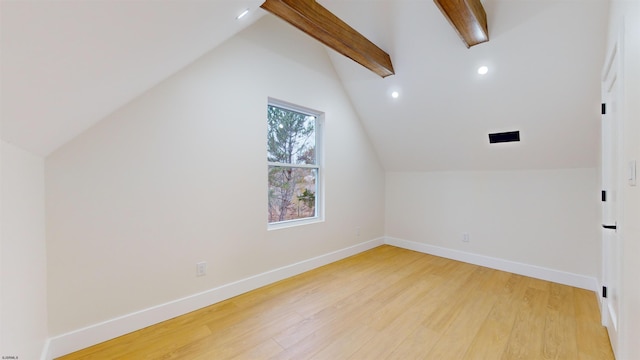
<point>468,19</point>
<point>318,22</point>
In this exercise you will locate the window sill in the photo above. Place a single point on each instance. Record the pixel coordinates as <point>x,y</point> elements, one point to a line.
<point>293,223</point>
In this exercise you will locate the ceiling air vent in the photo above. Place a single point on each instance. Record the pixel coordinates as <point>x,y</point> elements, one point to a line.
<point>504,137</point>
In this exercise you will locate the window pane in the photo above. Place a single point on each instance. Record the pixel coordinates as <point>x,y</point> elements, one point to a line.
<point>292,193</point>
<point>291,137</point>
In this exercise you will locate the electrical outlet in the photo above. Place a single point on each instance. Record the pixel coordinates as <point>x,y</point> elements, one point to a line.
<point>358,231</point>
<point>465,237</point>
<point>201,268</point>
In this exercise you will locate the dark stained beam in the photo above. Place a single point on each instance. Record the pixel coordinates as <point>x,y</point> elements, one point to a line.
<point>468,18</point>
<point>323,25</point>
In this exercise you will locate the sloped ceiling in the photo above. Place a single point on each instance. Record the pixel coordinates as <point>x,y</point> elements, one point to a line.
<point>544,60</point>
<point>67,65</point>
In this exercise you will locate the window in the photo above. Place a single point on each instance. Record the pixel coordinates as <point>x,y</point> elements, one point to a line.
<point>293,158</point>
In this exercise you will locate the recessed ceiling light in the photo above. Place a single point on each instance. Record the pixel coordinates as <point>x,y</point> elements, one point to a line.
<point>395,94</point>
<point>242,14</point>
<point>483,70</point>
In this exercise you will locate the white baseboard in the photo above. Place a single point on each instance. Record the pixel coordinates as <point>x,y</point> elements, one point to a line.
<point>97,333</point>
<point>79,339</point>
<point>557,276</point>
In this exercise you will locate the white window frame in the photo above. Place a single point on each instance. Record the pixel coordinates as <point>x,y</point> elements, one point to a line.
<point>319,141</point>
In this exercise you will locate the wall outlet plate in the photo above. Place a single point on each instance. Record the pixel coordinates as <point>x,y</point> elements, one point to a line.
<point>201,268</point>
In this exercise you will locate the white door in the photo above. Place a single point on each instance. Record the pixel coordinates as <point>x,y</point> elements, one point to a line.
<point>610,205</point>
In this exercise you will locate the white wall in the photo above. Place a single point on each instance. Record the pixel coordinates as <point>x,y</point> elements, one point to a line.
<point>23,256</point>
<point>626,14</point>
<point>545,218</point>
<point>179,176</point>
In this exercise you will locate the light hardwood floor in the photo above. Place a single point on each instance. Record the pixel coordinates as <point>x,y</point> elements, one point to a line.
<point>386,303</point>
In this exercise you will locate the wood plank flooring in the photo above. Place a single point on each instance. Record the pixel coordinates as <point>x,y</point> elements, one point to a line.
<point>386,303</point>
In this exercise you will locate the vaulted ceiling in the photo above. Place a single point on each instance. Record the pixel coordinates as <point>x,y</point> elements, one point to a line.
<point>67,65</point>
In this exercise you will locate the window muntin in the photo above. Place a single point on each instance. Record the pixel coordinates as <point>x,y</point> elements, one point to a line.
<point>293,164</point>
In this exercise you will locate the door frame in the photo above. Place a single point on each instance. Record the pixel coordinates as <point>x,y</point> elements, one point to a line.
<point>612,67</point>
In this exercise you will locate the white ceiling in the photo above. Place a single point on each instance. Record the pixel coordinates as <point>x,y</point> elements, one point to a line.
<point>67,65</point>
